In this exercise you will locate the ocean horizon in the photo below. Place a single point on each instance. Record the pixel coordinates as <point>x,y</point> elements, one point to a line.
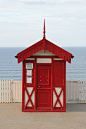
<point>11,70</point>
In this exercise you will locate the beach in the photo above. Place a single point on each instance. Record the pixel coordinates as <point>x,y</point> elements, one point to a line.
<point>12,117</point>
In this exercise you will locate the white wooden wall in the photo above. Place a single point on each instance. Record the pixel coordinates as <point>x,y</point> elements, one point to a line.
<point>11,91</point>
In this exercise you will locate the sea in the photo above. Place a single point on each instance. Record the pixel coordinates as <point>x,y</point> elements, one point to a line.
<point>11,70</point>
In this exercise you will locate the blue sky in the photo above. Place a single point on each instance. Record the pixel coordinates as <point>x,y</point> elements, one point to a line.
<point>21,22</point>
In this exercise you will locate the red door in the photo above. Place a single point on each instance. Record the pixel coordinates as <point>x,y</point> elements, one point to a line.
<point>44,86</point>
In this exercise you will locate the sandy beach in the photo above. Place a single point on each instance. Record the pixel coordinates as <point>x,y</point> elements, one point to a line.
<point>11,117</point>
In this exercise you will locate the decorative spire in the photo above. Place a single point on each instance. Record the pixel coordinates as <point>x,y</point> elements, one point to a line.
<point>44,29</point>
<point>44,40</point>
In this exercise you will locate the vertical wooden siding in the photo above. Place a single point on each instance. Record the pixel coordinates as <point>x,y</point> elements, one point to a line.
<point>76,91</point>
<point>17,91</point>
<point>5,91</point>
<point>11,91</point>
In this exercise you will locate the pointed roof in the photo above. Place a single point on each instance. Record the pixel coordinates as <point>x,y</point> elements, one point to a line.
<point>44,44</point>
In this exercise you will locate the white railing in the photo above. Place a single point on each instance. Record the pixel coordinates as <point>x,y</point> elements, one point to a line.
<point>5,91</point>
<point>17,91</point>
<point>76,91</point>
<point>11,91</point>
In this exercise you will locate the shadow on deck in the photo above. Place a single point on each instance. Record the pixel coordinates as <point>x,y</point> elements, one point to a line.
<point>75,107</point>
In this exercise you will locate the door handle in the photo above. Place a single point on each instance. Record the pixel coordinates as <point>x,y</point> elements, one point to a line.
<point>38,86</point>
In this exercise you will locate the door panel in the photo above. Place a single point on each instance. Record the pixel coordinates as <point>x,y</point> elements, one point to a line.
<point>44,98</point>
<point>43,86</point>
<point>43,75</point>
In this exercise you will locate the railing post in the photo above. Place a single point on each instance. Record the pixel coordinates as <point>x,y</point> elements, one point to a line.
<point>66,91</point>
<point>0,91</point>
<point>12,91</point>
<point>78,91</point>
<point>4,90</point>
<point>85,91</point>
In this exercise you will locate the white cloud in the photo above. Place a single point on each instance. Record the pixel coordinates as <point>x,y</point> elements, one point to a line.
<point>20,18</point>
<point>38,1</point>
<point>2,2</point>
<point>7,13</point>
<point>33,0</point>
<point>62,1</point>
<point>71,18</point>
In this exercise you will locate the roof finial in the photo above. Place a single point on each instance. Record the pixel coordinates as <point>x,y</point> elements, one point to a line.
<point>44,29</point>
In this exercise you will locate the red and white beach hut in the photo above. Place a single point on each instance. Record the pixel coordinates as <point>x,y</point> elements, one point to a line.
<point>44,76</point>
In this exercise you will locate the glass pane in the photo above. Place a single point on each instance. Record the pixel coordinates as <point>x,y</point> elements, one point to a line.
<point>29,72</point>
<point>29,79</point>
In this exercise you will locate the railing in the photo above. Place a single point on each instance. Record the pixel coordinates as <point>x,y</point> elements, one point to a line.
<point>11,91</point>
<point>76,91</point>
<point>17,91</point>
<point>5,91</point>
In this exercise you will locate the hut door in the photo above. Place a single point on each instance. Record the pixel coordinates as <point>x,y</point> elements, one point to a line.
<point>44,86</point>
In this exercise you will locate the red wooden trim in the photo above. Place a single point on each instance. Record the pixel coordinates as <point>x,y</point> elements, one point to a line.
<point>46,45</point>
<point>38,49</point>
<point>30,48</point>
<point>44,56</point>
<point>22,85</point>
<point>35,83</point>
<point>61,52</point>
<point>64,93</point>
<point>56,99</point>
<point>55,46</point>
<point>42,110</point>
<point>25,77</point>
<point>43,64</point>
<point>29,96</point>
<point>60,92</point>
<point>56,109</point>
<point>58,96</point>
<point>60,103</point>
<point>62,86</point>
<point>29,85</point>
<point>52,85</point>
<point>44,88</point>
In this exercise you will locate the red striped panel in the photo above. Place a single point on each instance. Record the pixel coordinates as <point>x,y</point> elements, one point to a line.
<point>56,52</point>
<point>31,52</point>
<point>34,50</point>
<point>50,49</point>
<point>47,47</point>
<point>38,49</point>
<point>53,50</point>
<point>28,54</point>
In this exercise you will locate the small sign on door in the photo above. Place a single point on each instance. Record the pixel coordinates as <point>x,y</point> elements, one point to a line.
<point>29,65</point>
